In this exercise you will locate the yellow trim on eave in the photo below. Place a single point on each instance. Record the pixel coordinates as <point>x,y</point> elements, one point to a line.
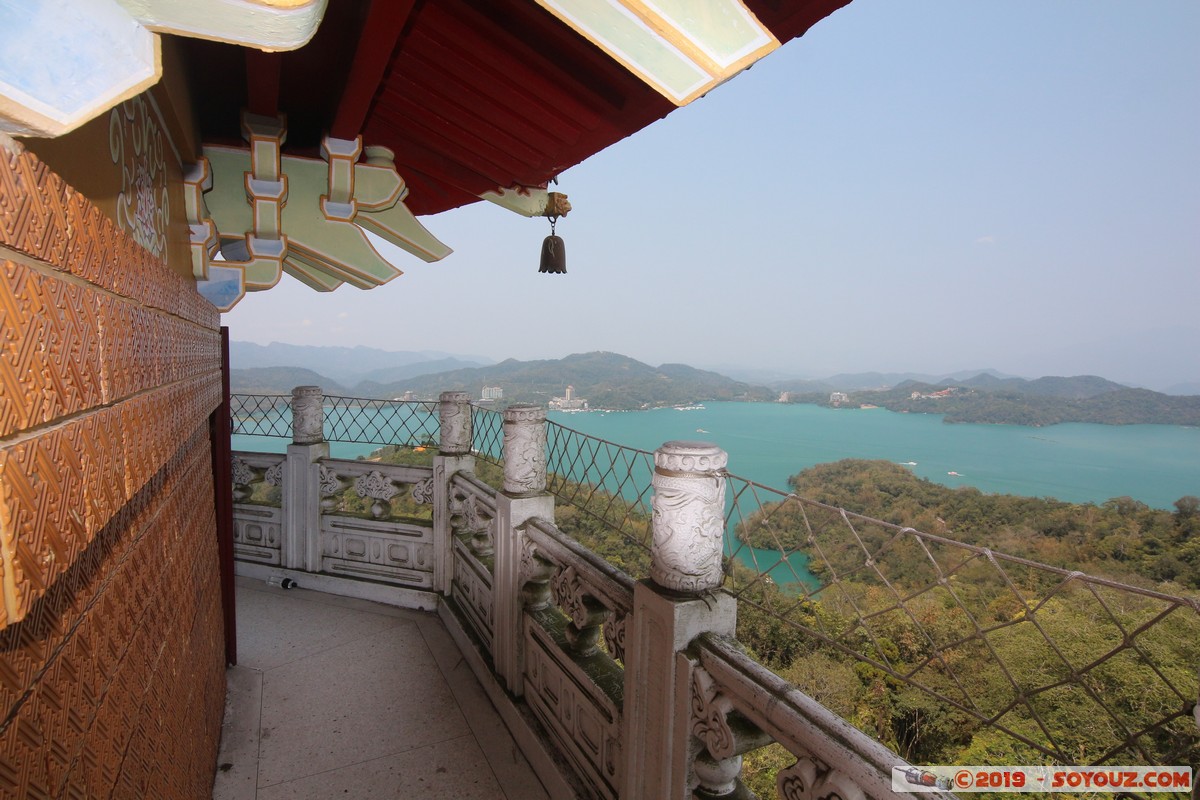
<point>639,34</point>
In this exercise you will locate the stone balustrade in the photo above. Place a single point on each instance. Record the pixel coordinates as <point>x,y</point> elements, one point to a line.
<point>637,686</point>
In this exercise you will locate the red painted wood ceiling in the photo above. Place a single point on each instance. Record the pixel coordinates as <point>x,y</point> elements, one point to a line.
<point>471,95</point>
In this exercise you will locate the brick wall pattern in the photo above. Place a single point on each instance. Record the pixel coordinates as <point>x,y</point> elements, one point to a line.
<point>111,641</point>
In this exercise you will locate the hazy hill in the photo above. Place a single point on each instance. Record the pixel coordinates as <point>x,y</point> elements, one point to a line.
<point>346,365</point>
<point>801,385</point>
<point>403,373</point>
<point>858,381</point>
<point>1078,387</point>
<point>1183,388</point>
<point>606,380</point>
<point>279,380</point>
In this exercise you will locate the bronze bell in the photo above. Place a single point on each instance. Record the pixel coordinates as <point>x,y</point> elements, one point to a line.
<point>554,254</point>
<point>554,249</point>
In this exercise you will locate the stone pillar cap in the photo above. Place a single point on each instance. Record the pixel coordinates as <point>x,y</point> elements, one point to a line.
<point>679,456</point>
<point>525,412</point>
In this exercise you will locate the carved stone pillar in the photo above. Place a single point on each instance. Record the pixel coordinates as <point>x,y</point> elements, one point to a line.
<point>678,603</point>
<point>454,455</point>
<point>301,539</point>
<point>308,415</point>
<point>689,516</point>
<point>523,498</point>
<point>524,449</point>
<point>454,412</point>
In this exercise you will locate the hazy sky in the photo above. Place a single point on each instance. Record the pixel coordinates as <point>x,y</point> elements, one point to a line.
<point>913,186</point>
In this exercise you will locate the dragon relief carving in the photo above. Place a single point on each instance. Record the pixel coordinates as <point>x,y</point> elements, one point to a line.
<point>811,779</point>
<point>710,716</point>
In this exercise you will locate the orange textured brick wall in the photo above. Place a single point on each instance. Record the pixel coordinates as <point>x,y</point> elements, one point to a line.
<point>111,645</point>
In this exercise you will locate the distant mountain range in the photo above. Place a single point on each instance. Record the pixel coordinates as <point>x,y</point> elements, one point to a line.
<point>860,381</point>
<point>614,381</point>
<point>349,365</point>
<point>606,380</point>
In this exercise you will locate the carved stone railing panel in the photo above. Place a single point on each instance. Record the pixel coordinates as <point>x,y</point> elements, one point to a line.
<point>367,488</point>
<point>391,552</point>
<point>379,489</point>
<point>810,779</point>
<point>575,687</point>
<point>472,506</point>
<point>257,533</point>
<point>833,758</point>
<point>472,592</point>
<point>255,475</point>
<point>328,485</point>
<point>578,699</point>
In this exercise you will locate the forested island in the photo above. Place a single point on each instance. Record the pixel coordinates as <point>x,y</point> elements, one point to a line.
<point>1045,401</point>
<point>1042,669</point>
<point>1122,538</point>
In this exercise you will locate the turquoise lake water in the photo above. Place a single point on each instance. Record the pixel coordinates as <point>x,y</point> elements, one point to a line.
<point>768,442</point>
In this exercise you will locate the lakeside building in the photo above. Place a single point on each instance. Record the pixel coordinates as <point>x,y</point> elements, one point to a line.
<point>492,394</point>
<point>568,402</point>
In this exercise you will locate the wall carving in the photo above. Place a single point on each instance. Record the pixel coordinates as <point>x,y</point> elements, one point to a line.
<point>136,144</point>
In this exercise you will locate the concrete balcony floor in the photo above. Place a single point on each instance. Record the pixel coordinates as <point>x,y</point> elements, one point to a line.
<point>337,697</point>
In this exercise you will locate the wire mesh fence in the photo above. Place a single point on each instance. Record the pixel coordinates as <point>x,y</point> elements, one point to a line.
<point>395,422</point>
<point>261,415</point>
<point>487,431</point>
<point>347,419</point>
<point>954,643</point>
<point>608,486</point>
<point>939,648</point>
